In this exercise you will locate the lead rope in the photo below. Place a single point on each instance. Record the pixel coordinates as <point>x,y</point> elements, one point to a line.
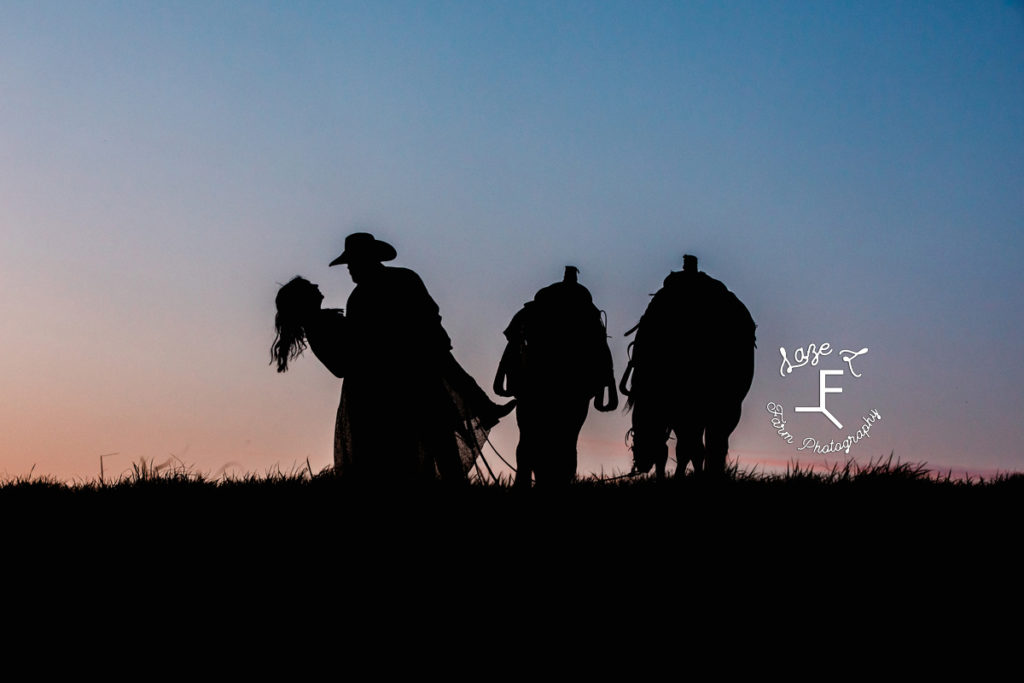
<point>507,463</point>
<point>487,464</point>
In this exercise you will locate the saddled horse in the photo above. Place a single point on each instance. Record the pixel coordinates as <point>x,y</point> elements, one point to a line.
<point>555,363</point>
<point>691,365</point>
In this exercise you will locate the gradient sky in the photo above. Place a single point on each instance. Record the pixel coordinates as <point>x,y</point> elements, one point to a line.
<point>853,171</point>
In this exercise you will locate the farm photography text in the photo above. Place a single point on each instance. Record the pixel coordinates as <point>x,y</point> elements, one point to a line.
<point>812,354</point>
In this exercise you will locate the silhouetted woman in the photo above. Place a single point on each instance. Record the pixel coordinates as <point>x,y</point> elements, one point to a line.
<point>444,436</point>
<point>301,321</point>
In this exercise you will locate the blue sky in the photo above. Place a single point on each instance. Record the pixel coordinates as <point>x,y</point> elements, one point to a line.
<point>853,171</point>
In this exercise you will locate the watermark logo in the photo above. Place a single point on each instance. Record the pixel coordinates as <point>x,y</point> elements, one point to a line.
<point>813,354</point>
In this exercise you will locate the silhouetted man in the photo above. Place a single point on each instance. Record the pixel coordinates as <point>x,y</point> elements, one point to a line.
<point>409,406</point>
<point>691,365</point>
<point>556,361</point>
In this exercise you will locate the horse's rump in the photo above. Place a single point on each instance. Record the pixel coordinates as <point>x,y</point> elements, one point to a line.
<point>691,365</point>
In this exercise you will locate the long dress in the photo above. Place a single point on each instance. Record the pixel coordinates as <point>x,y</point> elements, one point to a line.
<point>407,410</point>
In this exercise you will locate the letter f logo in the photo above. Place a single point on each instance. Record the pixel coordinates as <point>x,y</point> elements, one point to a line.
<point>822,390</point>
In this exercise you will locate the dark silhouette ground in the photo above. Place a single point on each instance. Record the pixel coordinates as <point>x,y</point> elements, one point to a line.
<point>884,504</point>
<point>392,568</point>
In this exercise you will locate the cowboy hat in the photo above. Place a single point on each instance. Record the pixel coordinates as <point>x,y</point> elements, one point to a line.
<point>363,246</point>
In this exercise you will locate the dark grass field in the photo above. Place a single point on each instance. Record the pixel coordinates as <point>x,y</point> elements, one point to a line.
<point>886,483</point>
<point>887,501</point>
<point>890,538</point>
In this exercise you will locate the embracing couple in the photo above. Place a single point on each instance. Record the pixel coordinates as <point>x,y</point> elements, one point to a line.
<point>408,410</point>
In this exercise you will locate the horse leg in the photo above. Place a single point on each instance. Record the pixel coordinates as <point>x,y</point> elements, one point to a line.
<point>651,447</point>
<point>721,425</point>
<point>530,440</point>
<point>650,433</point>
<point>689,447</point>
<point>727,403</point>
<point>572,423</point>
<point>523,469</point>
<point>659,463</point>
<point>699,456</point>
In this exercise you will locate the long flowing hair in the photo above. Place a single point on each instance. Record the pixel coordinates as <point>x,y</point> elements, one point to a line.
<point>290,335</point>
